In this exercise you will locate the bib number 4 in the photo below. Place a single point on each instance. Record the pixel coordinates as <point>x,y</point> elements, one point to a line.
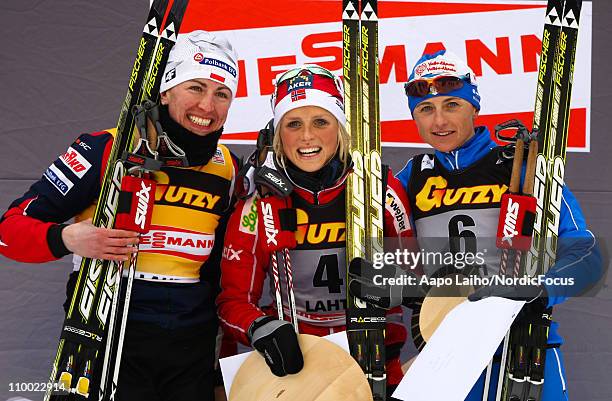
<point>328,274</point>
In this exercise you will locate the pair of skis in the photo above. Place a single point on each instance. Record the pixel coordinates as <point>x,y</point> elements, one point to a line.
<point>93,320</point>
<point>364,193</point>
<point>522,373</point>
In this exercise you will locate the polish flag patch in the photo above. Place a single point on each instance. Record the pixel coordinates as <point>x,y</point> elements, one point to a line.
<point>216,77</point>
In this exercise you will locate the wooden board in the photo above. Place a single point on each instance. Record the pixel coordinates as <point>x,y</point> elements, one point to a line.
<point>329,374</point>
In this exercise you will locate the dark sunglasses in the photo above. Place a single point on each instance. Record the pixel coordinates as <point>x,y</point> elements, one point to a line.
<point>439,85</point>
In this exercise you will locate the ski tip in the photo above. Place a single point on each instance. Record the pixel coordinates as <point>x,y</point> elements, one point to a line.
<point>350,13</point>
<point>368,13</point>
<point>151,27</point>
<point>570,19</point>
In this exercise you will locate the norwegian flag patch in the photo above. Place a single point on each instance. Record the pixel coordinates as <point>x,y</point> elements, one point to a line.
<point>298,94</point>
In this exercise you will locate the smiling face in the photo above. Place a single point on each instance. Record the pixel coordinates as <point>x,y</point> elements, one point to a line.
<point>199,105</point>
<point>445,122</point>
<point>309,137</point>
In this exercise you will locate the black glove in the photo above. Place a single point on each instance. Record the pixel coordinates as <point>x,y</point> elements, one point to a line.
<point>277,342</point>
<point>527,293</point>
<point>370,284</point>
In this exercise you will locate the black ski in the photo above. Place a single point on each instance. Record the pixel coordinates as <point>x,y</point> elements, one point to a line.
<point>119,310</point>
<point>364,209</point>
<point>85,327</point>
<point>524,357</point>
<point>374,190</point>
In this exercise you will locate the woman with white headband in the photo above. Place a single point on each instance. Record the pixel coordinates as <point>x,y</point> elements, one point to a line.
<point>169,347</point>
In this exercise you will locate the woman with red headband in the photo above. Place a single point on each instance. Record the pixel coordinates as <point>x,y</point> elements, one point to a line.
<point>310,153</point>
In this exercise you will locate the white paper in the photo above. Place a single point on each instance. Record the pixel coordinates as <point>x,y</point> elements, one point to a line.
<point>229,368</point>
<point>231,364</point>
<point>458,351</point>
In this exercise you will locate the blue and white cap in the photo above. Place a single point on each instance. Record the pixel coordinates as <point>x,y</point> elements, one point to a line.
<point>445,63</point>
<point>201,54</point>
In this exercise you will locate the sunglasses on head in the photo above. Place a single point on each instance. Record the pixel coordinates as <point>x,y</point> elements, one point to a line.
<point>309,69</point>
<point>439,85</point>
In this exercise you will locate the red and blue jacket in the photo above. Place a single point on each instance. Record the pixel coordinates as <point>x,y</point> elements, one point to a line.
<point>178,264</point>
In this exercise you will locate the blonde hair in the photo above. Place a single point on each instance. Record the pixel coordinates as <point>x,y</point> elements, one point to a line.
<point>344,146</point>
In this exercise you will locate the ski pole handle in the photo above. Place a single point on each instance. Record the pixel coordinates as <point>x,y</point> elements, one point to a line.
<point>530,169</point>
<point>517,164</point>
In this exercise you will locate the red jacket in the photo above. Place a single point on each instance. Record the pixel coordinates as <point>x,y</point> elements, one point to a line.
<point>317,259</point>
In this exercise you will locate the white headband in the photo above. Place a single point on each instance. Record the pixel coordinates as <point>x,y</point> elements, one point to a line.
<point>201,54</point>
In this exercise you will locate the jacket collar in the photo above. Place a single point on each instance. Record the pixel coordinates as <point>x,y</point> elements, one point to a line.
<point>470,152</point>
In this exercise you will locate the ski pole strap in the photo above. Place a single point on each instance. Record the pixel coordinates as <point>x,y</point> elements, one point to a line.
<point>135,205</point>
<point>170,154</point>
<point>517,127</point>
<point>266,177</point>
<point>153,148</point>
<point>516,219</point>
<point>261,171</point>
<point>144,156</point>
<point>274,180</point>
<point>245,183</point>
<point>267,171</point>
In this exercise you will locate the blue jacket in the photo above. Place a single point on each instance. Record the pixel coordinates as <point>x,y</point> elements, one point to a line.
<point>578,255</point>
